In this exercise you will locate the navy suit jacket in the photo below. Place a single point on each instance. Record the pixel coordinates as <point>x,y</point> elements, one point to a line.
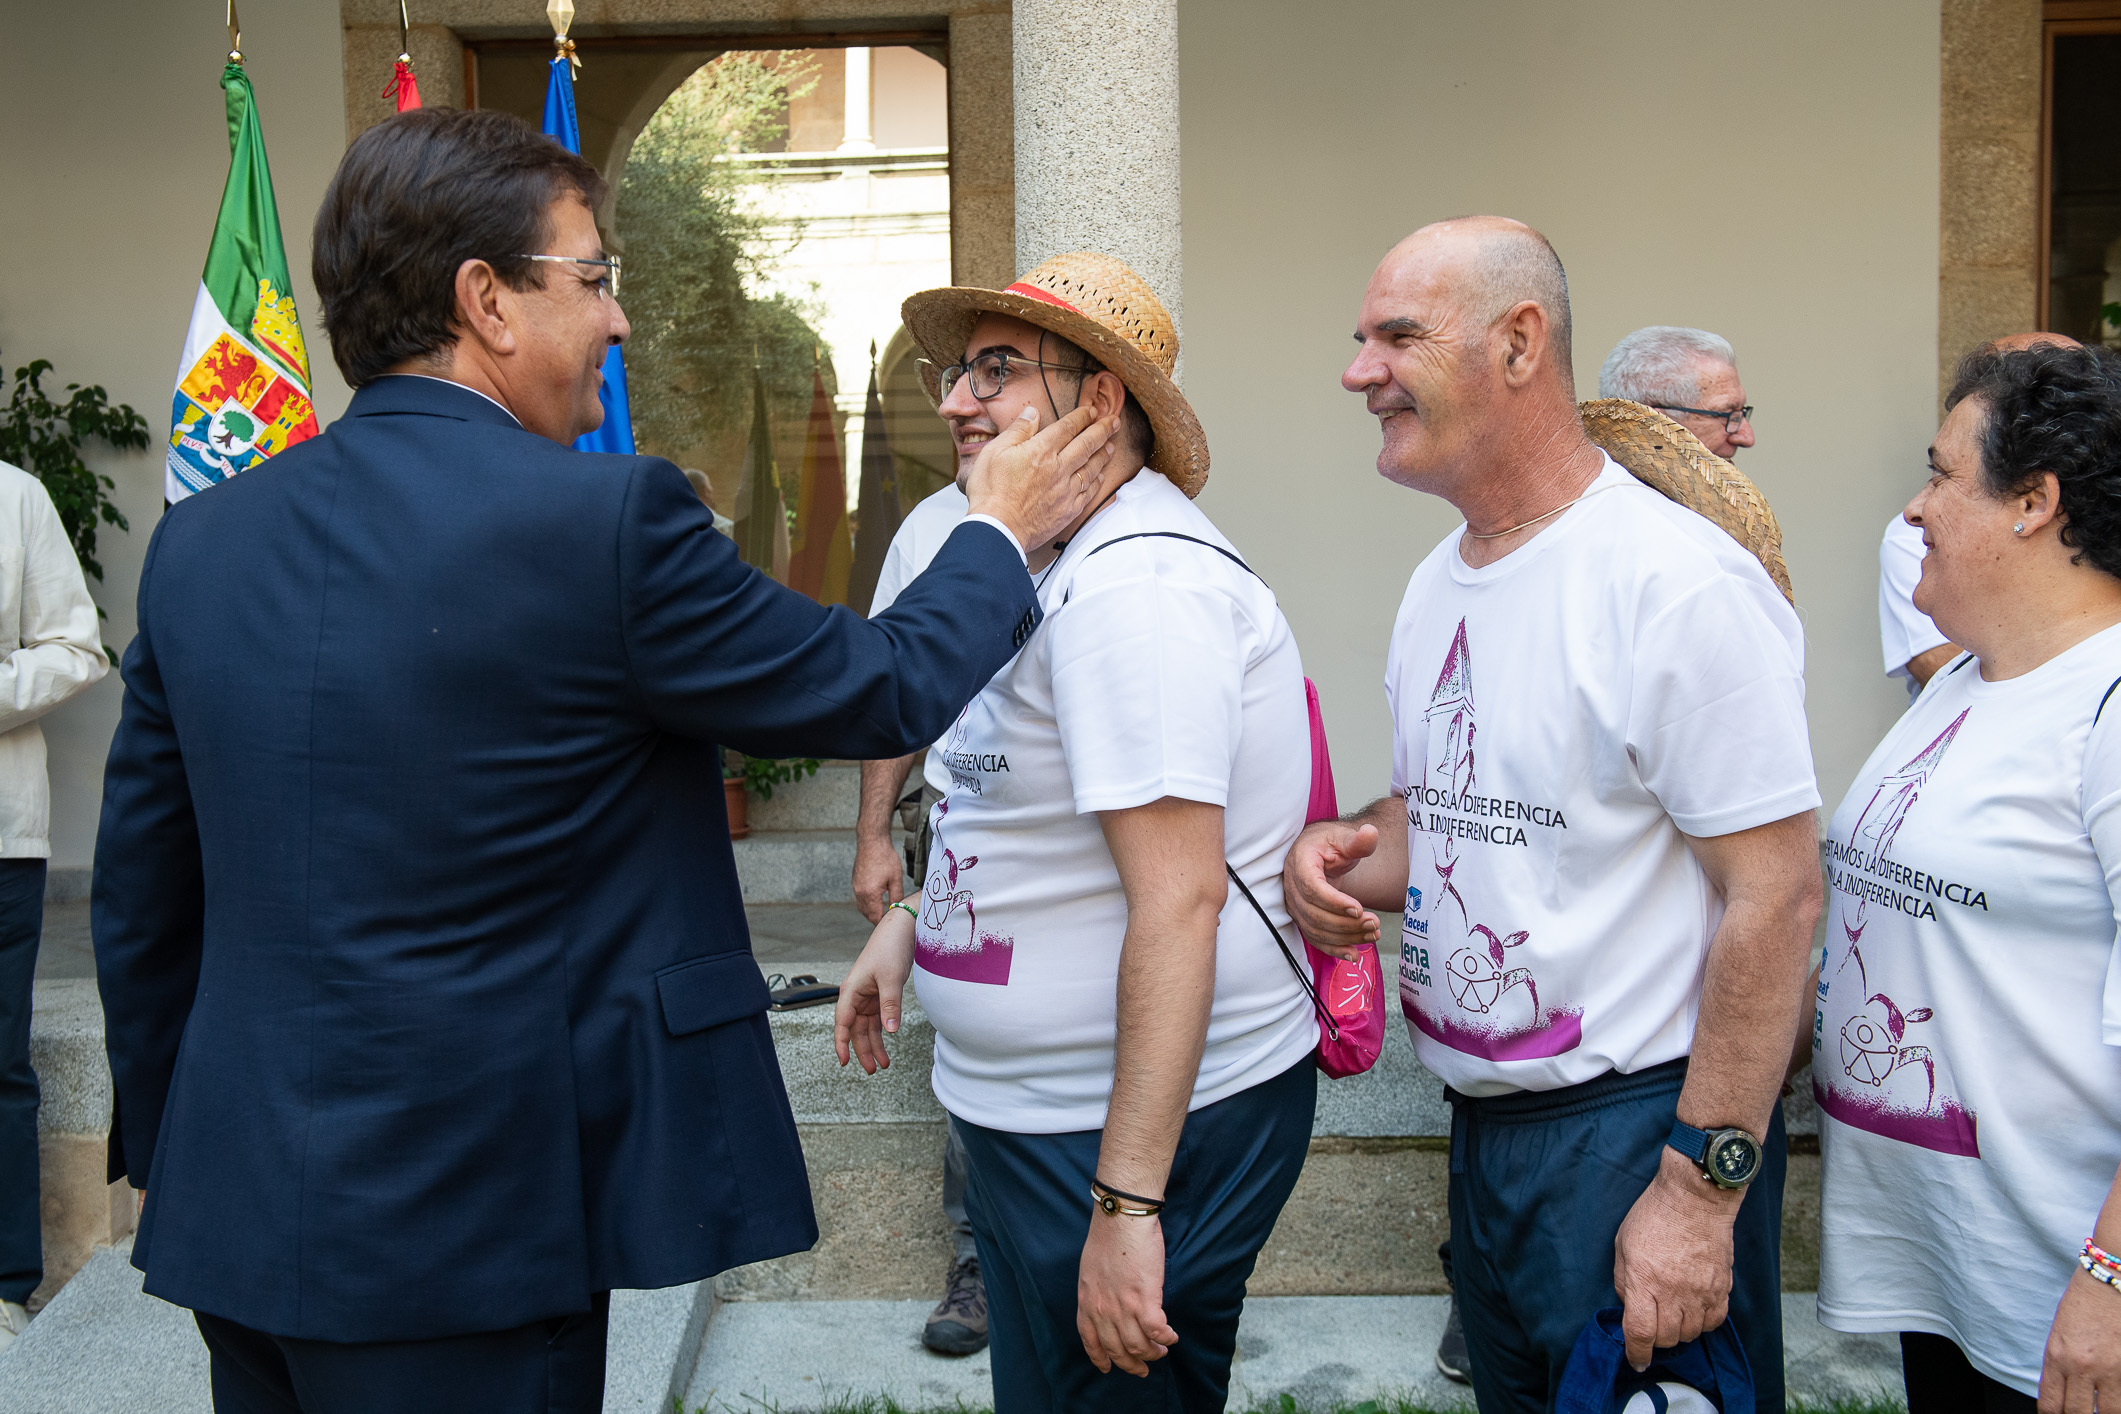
<point>429,999</point>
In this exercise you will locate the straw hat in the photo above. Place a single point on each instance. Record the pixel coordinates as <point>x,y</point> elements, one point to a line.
<point>1096,303</point>
<point>1667,457</point>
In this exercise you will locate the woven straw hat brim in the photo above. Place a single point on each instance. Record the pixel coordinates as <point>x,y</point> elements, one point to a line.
<point>1666,457</point>
<point>942,320</point>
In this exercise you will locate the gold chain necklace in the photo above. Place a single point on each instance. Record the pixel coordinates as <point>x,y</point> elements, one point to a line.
<point>1530,523</point>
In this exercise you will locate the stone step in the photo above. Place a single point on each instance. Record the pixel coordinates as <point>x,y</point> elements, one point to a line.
<point>1366,1217</point>
<point>796,866</point>
<point>829,800</point>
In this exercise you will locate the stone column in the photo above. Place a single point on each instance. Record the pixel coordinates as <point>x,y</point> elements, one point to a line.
<point>1989,188</point>
<point>858,132</point>
<point>1097,135</point>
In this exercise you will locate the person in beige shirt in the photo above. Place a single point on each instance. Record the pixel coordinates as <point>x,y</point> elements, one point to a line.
<point>52,649</point>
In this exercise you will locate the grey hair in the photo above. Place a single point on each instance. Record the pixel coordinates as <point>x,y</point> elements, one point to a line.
<point>1660,365</point>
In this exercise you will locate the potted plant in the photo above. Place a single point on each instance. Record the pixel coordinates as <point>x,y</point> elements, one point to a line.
<point>45,437</point>
<point>744,775</point>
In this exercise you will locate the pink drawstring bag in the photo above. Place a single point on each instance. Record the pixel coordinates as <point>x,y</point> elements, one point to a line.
<point>1349,997</point>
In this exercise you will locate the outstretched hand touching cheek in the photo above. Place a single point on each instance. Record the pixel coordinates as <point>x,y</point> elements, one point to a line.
<point>1038,483</point>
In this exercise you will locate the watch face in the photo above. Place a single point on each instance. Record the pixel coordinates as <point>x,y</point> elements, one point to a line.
<point>1733,1159</point>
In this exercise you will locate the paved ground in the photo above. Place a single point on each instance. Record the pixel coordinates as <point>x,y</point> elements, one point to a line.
<point>105,1347</point>
<point>1319,1350</point>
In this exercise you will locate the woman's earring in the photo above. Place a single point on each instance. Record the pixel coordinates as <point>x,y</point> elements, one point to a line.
<point>2018,529</point>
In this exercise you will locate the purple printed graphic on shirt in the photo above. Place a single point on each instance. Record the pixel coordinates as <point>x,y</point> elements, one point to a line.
<point>1496,1012</point>
<point>947,940</point>
<point>1876,1074</point>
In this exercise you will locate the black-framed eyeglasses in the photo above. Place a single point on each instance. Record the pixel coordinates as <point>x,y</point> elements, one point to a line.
<point>990,371</point>
<point>606,282</point>
<point>1733,418</point>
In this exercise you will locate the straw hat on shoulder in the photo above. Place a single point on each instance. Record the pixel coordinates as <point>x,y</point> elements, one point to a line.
<point>1101,306</point>
<point>1670,459</point>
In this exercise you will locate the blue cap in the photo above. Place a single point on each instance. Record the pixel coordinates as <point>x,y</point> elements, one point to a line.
<point>1702,1375</point>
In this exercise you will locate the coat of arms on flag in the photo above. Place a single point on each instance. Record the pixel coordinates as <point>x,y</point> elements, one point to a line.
<point>243,387</point>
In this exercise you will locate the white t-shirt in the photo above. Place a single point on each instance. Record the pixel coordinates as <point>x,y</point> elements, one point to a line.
<point>919,539</point>
<point>1160,669</point>
<point>1967,1053</point>
<point>1904,630</point>
<point>1559,718</point>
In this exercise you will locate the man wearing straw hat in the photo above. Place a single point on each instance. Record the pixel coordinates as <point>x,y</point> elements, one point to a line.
<point>1600,831</point>
<point>1119,1040</point>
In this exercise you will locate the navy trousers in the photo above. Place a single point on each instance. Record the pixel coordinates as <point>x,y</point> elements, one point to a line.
<point>21,1226</point>
<point>1540,1183</point>
<point>1941,1380</point>
<point>1029,1198</point>
<point>546,1367</point>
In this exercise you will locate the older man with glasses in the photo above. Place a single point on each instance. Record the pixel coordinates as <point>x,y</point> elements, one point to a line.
<point>1690,375</point>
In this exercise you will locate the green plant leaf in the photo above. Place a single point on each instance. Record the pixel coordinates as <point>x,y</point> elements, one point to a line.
<point>45,437</point>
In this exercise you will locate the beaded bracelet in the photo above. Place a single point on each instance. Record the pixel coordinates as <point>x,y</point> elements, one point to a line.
<point>901,903</point>
<point>2099,1272</point>
<point>2100,1263</point>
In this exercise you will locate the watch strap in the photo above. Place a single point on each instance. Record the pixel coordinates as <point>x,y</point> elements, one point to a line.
<point>1691,1142</point>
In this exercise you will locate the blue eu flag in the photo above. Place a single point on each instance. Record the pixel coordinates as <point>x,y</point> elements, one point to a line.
<point>616,435</point>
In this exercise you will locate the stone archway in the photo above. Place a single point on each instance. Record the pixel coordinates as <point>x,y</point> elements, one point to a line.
<point>657,39</point>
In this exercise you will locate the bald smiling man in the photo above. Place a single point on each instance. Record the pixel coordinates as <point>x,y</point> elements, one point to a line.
<point>1600,830</point>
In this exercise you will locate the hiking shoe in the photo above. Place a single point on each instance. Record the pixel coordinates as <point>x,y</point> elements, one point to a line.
<point>1451,1357</point>
<point>958,1324</point>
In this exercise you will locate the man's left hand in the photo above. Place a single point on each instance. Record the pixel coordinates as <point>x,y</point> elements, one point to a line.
<point>1119,1296</point>
<point>2082,1370</point>
<point>1672,1260</point>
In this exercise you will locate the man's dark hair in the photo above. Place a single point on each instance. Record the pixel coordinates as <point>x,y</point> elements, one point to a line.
<point>2054,409</point>
<point>1134,421</point>
<point>414,198</point>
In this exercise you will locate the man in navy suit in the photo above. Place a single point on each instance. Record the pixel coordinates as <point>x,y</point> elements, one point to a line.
<point>430,1004</point>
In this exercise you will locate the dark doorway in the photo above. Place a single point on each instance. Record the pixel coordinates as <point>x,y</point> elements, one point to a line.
<point>2083,293</point>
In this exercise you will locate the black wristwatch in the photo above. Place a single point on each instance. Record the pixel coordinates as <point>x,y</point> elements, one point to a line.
<point>1728,1158</point>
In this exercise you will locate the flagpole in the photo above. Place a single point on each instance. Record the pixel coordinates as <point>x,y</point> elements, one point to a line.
<point>561,125</point>
<point>561,13</point>
<point>242,389</point>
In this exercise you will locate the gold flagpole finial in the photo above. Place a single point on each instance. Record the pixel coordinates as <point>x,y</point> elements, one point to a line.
<point>235,35</point>
<point>404,34</point>
<point>561,13</point>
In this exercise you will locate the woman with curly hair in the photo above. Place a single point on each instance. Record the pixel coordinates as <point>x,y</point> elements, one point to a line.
<point>1966,1047</point>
